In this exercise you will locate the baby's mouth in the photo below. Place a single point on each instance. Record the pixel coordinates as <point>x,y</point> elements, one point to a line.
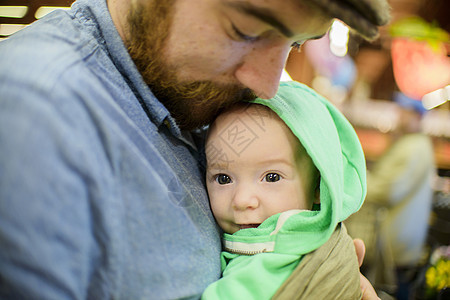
<point>245,226</point>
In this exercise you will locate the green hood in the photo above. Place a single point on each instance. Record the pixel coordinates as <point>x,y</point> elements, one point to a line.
<point>334,147</point>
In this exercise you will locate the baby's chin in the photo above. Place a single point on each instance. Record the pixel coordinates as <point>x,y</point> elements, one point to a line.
<point>245,226</point>
<point>233,228</point>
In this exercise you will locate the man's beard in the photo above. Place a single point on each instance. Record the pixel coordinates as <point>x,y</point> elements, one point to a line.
<point>191,103</point>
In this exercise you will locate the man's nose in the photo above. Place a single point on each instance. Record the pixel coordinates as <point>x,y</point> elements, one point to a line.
<point>262,68</point>
<point>245,198</point>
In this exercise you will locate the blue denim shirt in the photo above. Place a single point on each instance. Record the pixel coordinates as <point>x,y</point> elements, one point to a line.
<point>101,195</point>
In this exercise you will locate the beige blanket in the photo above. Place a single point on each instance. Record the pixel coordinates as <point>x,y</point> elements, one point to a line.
<point>330,272</point>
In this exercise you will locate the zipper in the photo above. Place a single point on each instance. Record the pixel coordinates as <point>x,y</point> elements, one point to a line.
<point>248,248</point>
<point>246,252</point>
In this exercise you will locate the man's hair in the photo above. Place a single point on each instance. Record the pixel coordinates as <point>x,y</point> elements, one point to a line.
<point>363,16</point>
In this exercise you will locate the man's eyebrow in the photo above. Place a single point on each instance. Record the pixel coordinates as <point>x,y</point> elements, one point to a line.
<point>264,14</point>
<point>317,37</point>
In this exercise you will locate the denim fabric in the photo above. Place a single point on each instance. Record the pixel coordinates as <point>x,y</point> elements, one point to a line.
<point>101,195</point>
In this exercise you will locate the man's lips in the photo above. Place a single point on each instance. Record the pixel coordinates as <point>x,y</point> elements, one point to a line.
<point>245,226</point>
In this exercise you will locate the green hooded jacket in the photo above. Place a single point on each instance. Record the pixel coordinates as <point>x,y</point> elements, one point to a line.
<point>283,239</point>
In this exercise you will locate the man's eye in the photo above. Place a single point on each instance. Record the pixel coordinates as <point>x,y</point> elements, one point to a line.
<point>297,45</point>
<point>243,36</point>
<point>223,179</point>
<point>272,177</point>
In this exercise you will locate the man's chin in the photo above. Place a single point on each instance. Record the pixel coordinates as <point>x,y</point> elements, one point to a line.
<point>193,104</point>
<point>191,115</point>
<point>199,106</point>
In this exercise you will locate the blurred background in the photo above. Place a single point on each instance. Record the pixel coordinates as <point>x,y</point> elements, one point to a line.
<point>395,91</point>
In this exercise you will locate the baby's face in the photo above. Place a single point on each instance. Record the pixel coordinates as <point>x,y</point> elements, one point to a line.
<point>253,170</point>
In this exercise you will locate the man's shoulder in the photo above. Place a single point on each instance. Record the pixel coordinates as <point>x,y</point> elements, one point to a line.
<point>44,51</point>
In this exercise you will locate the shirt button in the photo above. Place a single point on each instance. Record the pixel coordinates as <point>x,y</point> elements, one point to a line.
<point>167,123</point>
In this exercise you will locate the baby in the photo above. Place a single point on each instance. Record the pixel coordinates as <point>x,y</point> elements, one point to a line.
<point>281,176</point>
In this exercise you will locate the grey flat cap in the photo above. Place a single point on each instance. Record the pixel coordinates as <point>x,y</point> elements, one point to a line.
<point>363,16</point>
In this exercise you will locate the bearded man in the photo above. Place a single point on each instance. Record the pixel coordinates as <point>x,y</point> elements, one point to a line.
<point>101,190</point>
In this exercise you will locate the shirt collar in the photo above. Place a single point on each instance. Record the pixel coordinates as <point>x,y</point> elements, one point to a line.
<point>109,36</point>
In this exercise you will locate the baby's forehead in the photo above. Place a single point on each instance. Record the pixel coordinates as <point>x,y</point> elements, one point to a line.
<point>249,121</point>
<point>256,114</point>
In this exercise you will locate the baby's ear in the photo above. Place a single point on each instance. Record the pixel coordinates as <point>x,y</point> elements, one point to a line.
<point>317,197</point>
<point>316,200</point>
<point>317,190</point>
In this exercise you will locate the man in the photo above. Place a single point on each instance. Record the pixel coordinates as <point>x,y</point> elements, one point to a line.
<point>101,193</point>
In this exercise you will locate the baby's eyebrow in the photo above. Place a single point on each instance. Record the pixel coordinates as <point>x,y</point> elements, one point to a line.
<point>276,161</point>
<point>216,167</point>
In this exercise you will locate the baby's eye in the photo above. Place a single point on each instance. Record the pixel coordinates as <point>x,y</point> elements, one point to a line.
<point>272,177</point>
<point>223,179</point>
